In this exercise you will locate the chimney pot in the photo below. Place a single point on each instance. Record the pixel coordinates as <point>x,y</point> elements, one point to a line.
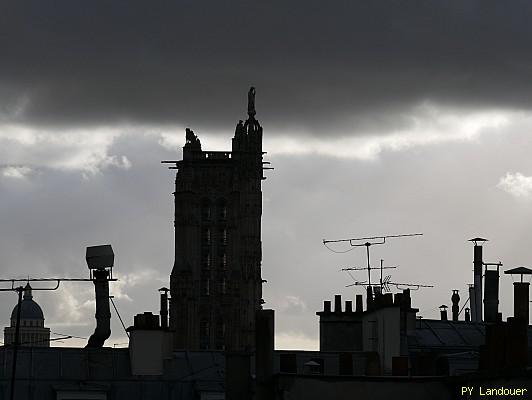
<point>338,303</point>
<point>349,306</point>
<point>359,303</point>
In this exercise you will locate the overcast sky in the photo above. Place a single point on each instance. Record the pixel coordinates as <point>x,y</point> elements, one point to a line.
<point>380,117</point>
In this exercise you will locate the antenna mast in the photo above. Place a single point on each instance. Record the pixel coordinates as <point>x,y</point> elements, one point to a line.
<point>368,242</point>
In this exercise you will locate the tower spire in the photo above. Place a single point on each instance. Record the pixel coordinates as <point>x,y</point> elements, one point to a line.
<point>251,103</point>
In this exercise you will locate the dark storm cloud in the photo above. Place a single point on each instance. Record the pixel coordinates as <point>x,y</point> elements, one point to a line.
<point>315,64</point>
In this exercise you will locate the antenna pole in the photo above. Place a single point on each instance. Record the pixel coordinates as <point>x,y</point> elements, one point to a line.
<point>355,242</point>
<point>381,274</point>
<point>17,340</point>
<point>369,268</point>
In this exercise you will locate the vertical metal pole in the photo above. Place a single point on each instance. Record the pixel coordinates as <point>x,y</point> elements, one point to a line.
<point>367,254</point>
<point>381,276</point>
<point>16,344</point>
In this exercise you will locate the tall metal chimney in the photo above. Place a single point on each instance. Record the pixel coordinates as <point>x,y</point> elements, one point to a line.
<point>477,273</point>
<point>164,307</point>
<point>100,260</point>
<point>521,294</point>
<point>491,293</point>
<point>455,298</point>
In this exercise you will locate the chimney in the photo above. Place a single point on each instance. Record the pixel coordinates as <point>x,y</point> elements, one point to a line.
<point>477,273</point>
<point>467,315</point>
<point>100,260</point>
<point>521,294</point>
<point>349,307</point>
<point>149,345</point>
<point>455,298</point>
<point>327,306</point>
<point>443,312</point>
<point>369,298</point>
<point>521,301</point>
<point>359,303</point>
<point>472,302</point>
<point>387,299</point>
<point>491,294</point>
<point>164,307</point>
<point>337,303</point>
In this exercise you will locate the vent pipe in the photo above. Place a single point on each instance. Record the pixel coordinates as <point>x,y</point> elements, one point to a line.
<point>455,298</point>
<point>100,260</point>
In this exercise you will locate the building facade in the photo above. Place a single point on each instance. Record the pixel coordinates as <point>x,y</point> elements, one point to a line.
<point>216,282</point>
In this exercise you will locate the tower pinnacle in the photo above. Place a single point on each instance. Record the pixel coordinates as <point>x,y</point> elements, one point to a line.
<point>251,103</point>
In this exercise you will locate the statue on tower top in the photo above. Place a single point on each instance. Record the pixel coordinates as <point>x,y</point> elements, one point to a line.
<point>251,103</point>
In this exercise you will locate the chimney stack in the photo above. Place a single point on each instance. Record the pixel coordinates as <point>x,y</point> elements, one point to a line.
<point>337,303</point>
<point>472,303</point>
<point>443,312</point>
<point>349,306</point>
<point>521,301</point>
<point>455,298</point>
<point>477,273</point>
<point>521,294</point>
<point>369,298</point>
<point>164,307</point>
<point>359,303</point>
<point>491,294</point>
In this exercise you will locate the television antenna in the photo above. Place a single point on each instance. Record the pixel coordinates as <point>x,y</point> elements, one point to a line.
<point>386,281</point>
<point>366,242</point>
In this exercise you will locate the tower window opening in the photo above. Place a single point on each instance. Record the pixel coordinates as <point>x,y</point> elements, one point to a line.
<point>224,286</point>
<point>223,237</point>
<point>205,284</point>
<point>206,236</point>
<point>206,260</point>
<point>205,210</point>
<point>204,334</point>
<point>220,334</point>
<point>222,209</point>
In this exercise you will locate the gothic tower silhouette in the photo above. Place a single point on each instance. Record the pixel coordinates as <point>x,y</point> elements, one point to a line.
<point>216,282</point>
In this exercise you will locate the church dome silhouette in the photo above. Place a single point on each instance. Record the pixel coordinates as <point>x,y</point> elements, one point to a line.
<point>30,310</point>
